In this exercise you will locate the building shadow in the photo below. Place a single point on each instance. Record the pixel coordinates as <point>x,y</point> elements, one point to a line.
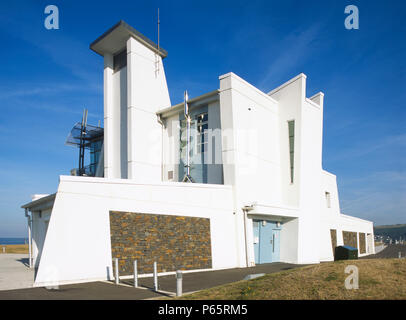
<point>24,261</point>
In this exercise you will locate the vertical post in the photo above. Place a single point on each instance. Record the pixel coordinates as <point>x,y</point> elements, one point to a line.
<point>179,277</point>
<point>135,274</point>
<point>400,254</point>
<point>29,241</point>
<point>155,277</point>
<point>116,276</point>
<point>4,249</point>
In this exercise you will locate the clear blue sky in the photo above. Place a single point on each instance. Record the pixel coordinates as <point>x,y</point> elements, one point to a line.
<point>47,77</point>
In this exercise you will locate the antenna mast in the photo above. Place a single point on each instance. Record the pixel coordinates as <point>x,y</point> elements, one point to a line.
<point>159,52</point>
<point>187,177</point>
<point>82,144</point>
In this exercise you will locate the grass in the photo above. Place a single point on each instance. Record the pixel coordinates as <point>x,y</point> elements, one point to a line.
<point>378,279</point>
<point>14,248</point>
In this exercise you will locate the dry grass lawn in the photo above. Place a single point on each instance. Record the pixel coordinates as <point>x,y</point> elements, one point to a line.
<point>14,248</point>
<point>378,279</point>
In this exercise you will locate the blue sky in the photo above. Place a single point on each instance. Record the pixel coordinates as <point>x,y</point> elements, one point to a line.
<point>47,77</point>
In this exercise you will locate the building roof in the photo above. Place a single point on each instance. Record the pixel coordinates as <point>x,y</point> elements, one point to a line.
<point>202,99</point>
<point>114,40</point>
<point>40,202</point>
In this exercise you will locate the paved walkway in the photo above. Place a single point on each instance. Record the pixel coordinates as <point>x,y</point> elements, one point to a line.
<point>195,281</point>
<point>391,251</point>
<point>14,272</point>
<point>103,290</point>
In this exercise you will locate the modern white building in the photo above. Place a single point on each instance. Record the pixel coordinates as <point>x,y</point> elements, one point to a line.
<point>260,193</point>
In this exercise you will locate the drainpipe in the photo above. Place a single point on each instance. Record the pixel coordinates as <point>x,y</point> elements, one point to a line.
<point>245,210</point>
<point>160,121</point>
<point>29,223</point>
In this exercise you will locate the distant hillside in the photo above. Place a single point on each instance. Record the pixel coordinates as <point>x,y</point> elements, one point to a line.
<point>394,231</point>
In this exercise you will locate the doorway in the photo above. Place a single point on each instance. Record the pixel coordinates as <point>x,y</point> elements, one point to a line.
<point>266,241</point>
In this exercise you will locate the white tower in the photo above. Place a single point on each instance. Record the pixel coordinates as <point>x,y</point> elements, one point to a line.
<point>134,90</point>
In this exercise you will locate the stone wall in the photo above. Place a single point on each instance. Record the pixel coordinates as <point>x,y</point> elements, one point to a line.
<point>174,242</point>
<point>350,239</point>
<point>333,234</point>
<point>362,243</point>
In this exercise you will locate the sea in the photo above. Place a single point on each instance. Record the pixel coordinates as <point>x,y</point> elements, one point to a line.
<point>13,240</point>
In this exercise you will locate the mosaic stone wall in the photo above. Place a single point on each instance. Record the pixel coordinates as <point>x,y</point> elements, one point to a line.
<point>362,243</point>
<point>350,239</point>
<point>333,234</point>
<point>174,242</point>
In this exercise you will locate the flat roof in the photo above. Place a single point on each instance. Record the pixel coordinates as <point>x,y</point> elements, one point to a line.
<point>204,98</point>
<point>39,201</point>
<point>115,39</point>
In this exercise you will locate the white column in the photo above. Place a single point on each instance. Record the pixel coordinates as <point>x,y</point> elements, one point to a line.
<point>108,116</point>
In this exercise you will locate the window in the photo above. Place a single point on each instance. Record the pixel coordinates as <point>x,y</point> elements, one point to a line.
<point>291,128</point>
<point>120,60</point>
<point>328,201</point>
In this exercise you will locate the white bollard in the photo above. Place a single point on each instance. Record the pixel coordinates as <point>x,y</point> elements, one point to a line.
<point>400,254</point>
<point>116,276</point>
<point>4,249</point>
<point>155,277</point>
<point>135,274</point>
<point>179,279</point>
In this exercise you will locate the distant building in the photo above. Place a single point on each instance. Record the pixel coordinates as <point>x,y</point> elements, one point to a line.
<point>259,195</point>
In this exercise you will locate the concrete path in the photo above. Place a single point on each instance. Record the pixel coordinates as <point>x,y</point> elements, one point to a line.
<point>82,291</point>
<point>195,281</point>
<point>14,272</point>
<point>379,248</point>
<point>103,290</point>
<point>390,251</point>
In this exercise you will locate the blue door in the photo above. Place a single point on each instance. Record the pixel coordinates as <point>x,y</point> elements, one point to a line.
<point>266,241</point>
<point>256,240</point>
<point>275,244</point>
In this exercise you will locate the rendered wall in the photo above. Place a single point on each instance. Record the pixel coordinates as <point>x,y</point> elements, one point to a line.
<point>77,246</point>
<point>250,150</point>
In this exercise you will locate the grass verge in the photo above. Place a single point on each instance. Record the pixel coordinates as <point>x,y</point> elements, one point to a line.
<point>14,248</point>
<point>378,279</point>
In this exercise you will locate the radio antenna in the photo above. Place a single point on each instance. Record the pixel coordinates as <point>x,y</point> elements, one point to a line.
<point>159,52</point>
<point>187,177</point>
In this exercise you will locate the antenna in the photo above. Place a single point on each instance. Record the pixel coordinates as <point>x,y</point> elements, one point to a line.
<point>82,143</point>
<point>187,177</point>
<point>159,52</point>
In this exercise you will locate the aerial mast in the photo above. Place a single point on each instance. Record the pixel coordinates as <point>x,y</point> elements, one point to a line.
<point>188,119</point>
<point>82,143</point>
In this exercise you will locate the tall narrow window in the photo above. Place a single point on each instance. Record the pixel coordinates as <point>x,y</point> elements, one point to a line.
<point>291,126</point>
<point>328,200</point>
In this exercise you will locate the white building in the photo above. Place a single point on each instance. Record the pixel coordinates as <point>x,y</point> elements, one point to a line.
<point>260,193</point>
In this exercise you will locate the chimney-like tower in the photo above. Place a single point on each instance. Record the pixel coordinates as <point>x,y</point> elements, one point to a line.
<point>134,90</point>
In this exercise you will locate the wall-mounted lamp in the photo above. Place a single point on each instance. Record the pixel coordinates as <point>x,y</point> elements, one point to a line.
<point>278,224</point>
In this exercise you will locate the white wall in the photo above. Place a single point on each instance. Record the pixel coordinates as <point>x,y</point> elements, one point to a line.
<point>39,230</point>
<point>132,95</point>
<point>78,247</point>
<point>250,147</point>
<point>147,93</point>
